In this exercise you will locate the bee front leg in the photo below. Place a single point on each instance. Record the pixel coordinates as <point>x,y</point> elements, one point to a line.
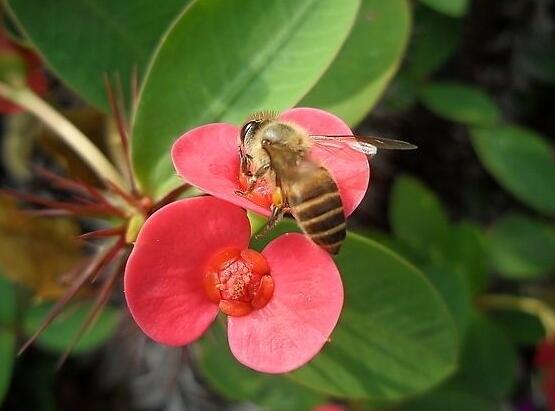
<point>253,179</point>
<point>245,163</point>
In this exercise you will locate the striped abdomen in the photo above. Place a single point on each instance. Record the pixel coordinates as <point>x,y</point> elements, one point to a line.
<point>316,205</point>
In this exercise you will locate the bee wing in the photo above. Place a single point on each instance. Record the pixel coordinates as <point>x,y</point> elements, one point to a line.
<point>363,144</point>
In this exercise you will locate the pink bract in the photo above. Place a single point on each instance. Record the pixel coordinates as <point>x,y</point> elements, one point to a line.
<point>330,407</point>
<point>165,294</point>
<point>208,158</point>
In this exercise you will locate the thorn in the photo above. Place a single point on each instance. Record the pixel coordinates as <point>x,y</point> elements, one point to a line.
<point>116,98</point>
<point>128,198</point>
<point>96,264</point>
<point>47,213</point>
<point>99,304</point>
<point>59,181</point>
<point>135,84</point>
<point>73,208</point>
<point>106,232</point>
<point>171,196</point>
<point>118,115</point>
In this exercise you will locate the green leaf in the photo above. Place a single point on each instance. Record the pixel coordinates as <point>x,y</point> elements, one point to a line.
<point>58,336</point>
<point>521,247</point>
<point>451,400</point>
<point>401,94</point>
<point>222,60</point>
<point>84,39</point>
<point>384,239</point>
<point>7,344</point>
<point>452,286</point>
<point>8,302</point>
<point>454,8</point>
<point>393,322</point>
<point>524,329</point>
<point>465,254</point>
<point>417,217</point>
<point>461,103</point>
<point>435,38</point>
<point>395,337</point>
<point>521,161</point>
<point>238,383</point>
<point>366,63</point>
<point>488,361</point>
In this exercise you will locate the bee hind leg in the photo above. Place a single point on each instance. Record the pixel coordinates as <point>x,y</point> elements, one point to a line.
<point>278,211</point>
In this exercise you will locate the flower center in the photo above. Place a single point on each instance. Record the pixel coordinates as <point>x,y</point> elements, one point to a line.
<point>239,281</point>
<point>261,194</point>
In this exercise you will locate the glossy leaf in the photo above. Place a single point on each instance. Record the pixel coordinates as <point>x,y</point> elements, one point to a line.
<point>37,252</point>
<point>102,36</point>
<point>58,336</point>
<point>393,321</point>
<point>521,161</point>
<point>452,286</point>
<point>461,103</point>
<point>7,354</point>
<point>8,303</point>
<point>238,383</point>
<point>488,361</point>
<point>521,247</point>
<point>401,94</point>
<point>434,39</point>
<point>465,254</point>
<point>524,329</point>
<point>417,217</point>
<point>451,400</point>
<point>366,63</point>
<point>454,8</point>
<point>208,70</point>
<point>387,241</point>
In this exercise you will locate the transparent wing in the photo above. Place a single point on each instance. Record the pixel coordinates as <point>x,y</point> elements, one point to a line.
<point>364,144</point>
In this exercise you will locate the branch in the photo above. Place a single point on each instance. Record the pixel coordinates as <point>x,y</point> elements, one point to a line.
<point>70,134</point>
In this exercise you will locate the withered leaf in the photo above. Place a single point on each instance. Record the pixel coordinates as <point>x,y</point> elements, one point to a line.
<point>36,251</point>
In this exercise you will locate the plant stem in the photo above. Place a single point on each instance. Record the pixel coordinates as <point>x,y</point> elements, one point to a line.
<point>526,304</point>
<point>70,134</point>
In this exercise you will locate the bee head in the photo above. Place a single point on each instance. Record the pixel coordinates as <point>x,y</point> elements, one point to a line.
<point>249,129</point>
<point>254,123</point>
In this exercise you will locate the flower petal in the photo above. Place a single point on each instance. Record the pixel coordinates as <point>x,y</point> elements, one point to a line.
<point>349,169</point>
<point>208,158</point>
<point>163,276</point>
<point>301,315</point>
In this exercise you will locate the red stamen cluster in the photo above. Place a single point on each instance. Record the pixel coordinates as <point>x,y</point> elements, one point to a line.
<point>239,281</point>
<point>260,195</point>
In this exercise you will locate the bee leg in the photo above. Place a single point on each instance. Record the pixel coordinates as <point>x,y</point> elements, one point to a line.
<point>253,179</point>
<point>278,212</point>
<point>245,163</point>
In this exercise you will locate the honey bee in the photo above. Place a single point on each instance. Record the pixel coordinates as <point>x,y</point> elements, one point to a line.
<point>277,152</point>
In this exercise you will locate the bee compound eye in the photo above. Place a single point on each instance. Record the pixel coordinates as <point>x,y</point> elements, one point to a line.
<point>249,129</point>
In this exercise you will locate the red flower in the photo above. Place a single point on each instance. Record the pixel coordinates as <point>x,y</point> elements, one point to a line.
<point>330,407</point>
<point>192,257</point>
<point>545,360</point>
<point>35,78</point>
<point>208,158</point>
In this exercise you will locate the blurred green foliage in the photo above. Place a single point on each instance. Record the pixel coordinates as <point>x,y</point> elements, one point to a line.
<point>415,333</point>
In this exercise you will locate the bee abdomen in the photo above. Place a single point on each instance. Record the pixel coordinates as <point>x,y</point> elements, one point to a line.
<point>316,204</point>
